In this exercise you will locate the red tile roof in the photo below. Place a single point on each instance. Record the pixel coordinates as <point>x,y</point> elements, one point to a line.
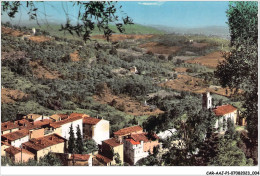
<point>42,122</point>
<point>44,142</point>
<point>112,142</point>
<point>4,143</point>
<point>80,157</point>
<point>224,109</point>
<point>103,158</point>
<point>36,125</point>
<point>78,114</point>
<point>133,142</point>
<point>128,130</point>
<point>91,120</point>
<point>16,135</point>
<point>62,122</point>
<point>14,150</point>
<point>137,138</point>
<point>8,126</point>
<point>22,122</point>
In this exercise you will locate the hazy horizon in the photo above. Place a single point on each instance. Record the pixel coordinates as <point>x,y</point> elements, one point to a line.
<point>156,13</point>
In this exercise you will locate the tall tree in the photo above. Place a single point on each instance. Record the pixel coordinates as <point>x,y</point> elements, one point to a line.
<point>229,154</point>
<point>239,70</point>
<point>71,143</point>
<point>79,141</point>
<point>90,15</point>
<point>231,132</point>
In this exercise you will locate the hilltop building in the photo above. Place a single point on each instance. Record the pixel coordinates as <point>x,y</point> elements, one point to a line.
<point>223,112</point>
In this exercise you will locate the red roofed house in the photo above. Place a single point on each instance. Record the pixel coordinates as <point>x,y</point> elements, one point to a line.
<point>79,160</point>
<point>18,154</point>
<point>42,146</point>
<point>100,160</point>
<point>138,146</point>
<point>8,127</point>
<point>63,127</point>
<point>59,117</point>
<point>110,147</point>
<point>127,131</point>
<point>16,138</point>
<point>4,145</point>
<point>96,129</point>
<point>223,112</point>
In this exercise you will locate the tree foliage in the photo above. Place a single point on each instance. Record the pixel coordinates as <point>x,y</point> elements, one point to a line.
<point>239,70</point>
<point>91,14</point>
<point>47,160</point>
<point>79,141</point>
<point>90,146</point>
<point>229,154</point>
<point>71,143</point>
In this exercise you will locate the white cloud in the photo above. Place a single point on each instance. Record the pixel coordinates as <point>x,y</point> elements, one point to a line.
<point>155,3</point>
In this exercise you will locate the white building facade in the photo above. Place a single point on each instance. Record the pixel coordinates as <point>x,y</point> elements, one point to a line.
<point>134,151</point>
<point>100,131</point>
<point>65,128</point>
<point>18,142</point>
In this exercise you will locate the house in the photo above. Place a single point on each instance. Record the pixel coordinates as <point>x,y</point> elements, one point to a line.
<point>23,123</point>
<point>110,148</point>
<point>42,146</point>
<point>79,160</point>
<point>78,115</point>
<point>37,128</point>
<point>35,117</point>
<point>134,151</point>
<point>68,159</point>
<point>100,160</point>
<point>16,138</point>
<point>223,112</point>
<point>59,117</point>
<point>18,154</point>
<point>127,131</point>
<point>4,145</point>
<point>96,129</point>
<point>138,146</point>
<point>8,127</point>
<point>63,127</point>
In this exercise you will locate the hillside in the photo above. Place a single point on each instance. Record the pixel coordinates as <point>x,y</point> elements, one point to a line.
<point>64,75</point>
<point>54,30</point>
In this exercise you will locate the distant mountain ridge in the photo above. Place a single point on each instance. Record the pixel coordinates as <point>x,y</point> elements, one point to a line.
<point>220,31</point>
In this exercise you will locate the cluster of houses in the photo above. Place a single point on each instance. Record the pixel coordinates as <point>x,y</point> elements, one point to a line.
<point>33,136</point>
<point>36,135</point>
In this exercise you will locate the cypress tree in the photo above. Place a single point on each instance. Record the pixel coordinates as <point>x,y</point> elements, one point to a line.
<point>79,141</point>
<point>71,143</point>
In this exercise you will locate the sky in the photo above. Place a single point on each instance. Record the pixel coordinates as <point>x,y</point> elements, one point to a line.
<point>169,13</point>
